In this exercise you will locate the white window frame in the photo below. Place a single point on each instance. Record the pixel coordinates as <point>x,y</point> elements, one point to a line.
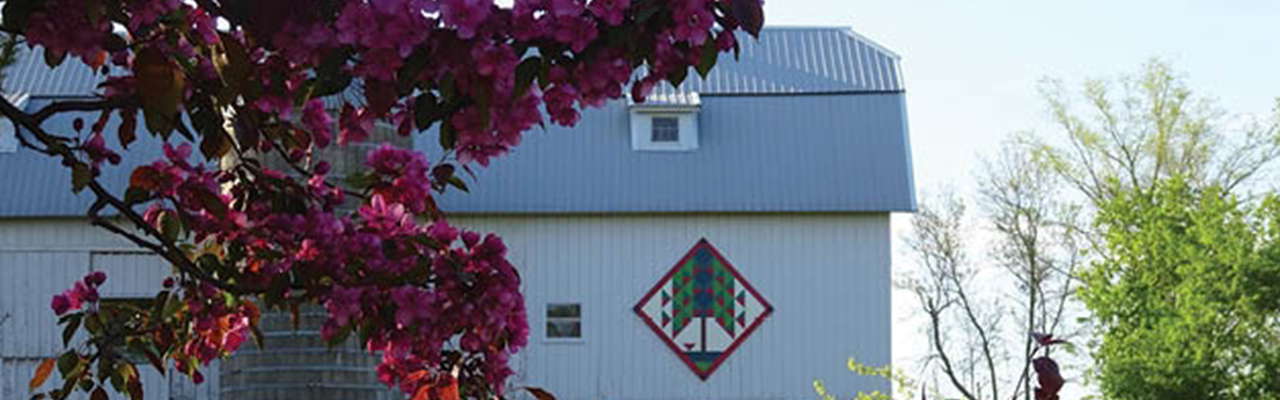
<point>642,129</point>
<point>548,319</point>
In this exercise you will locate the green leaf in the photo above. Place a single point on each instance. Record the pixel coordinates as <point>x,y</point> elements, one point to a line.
<point>158,306</point>
<point>544,75</point>
<point>234,68</point>
<point>212,203</point>
<point>448,135</point>
<point>362,180</point>
<point>526,72</point>
<point>173,305</point>
<point>426,111</point>
<point>677,76</point>
<point>69,331</point>
<point>170,226</point>
<point>52,59</point>
<point>68,362</point>
<point>16,13</point>
<point>709,55</point>
<point>161,86</point>
<point>457,182</point>
<point>330,79</point>
<point>135,195</point>
<point>215,145</point>
<point>81,175</point>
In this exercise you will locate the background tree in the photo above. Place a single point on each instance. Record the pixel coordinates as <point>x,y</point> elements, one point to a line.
<point>1160,173</point>
<point>1187,301</point>
<point>239,79</point>
<point>1139,129</point>
<point>980,313</point>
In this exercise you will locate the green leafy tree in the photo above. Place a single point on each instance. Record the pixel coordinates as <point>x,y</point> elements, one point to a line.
<point>1186,299</point>
<point>1132,132</point>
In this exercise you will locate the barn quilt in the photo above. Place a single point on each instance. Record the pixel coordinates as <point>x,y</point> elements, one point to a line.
<point>703,309</point>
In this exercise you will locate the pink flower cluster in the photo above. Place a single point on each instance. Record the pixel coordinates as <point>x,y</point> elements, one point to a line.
<point>443,283</point>
<point>84,292</point>
<point>218,328</point>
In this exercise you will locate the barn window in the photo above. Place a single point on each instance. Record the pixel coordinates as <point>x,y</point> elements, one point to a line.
<point>666,123</point>
<point>666,129</point>
<point>564,321</point>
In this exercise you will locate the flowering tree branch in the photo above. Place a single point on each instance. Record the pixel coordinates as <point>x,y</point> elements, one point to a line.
<point>235,78</point>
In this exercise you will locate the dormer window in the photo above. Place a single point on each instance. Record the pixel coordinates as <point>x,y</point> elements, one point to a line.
<point>665,123</point>
<point>666,129</point>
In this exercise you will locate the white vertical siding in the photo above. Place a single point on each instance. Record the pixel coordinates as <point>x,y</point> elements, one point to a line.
<point>40,258</point>
<point>827,276</point>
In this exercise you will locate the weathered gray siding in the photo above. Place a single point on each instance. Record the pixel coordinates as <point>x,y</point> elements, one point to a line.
<point>827,276</point>
<point>40,258</point>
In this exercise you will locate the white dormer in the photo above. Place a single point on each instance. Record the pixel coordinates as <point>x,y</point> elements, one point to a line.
<point>9,137</point>
<point>666,122</point>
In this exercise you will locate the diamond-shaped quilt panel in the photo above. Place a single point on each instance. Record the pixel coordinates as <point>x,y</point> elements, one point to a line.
<point>703,309</point>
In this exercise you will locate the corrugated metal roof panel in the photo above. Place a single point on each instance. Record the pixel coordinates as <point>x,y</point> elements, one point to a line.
<point>797,153</point>
<point>35,185</point>
<point>32,76</point>
<point>799,60</point>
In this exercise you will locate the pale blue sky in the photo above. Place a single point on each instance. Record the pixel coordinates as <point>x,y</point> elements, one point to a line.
<point>972,68</point>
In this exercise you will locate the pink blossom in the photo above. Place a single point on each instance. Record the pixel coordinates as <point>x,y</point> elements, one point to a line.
<point>61,304</point>
<point>693,21</point>
<point>318,122</point>
<point>354,125</point>
<point>611,11</point>
<point>465,15</point>
<point>566,8</point>
<point>413,306</point>
<point>343,305</point>
<point>577,32</point>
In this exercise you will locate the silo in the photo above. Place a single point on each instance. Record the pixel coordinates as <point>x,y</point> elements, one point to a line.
<point>297,364</point>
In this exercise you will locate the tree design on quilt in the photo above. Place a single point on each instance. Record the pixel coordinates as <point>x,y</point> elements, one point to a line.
<point>703,309</point>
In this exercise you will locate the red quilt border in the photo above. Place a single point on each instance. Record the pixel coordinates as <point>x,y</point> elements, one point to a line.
<point>768,309</point>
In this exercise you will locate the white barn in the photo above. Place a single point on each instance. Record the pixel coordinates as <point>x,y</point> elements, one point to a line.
<point>728,239</point>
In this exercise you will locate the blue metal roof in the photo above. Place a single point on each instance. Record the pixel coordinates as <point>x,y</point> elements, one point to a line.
<point>35,185</point>
<point>809,120</point>
<point>800,60</point>
<point>801,153</point>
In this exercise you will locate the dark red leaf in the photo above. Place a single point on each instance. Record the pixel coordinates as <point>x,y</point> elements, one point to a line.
<point>1046,339</point>
<point>750,14</point>
<point>1050,378</point>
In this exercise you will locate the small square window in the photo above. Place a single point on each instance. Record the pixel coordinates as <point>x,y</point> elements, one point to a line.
<point>666,129</point>
<point>564,321</point>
